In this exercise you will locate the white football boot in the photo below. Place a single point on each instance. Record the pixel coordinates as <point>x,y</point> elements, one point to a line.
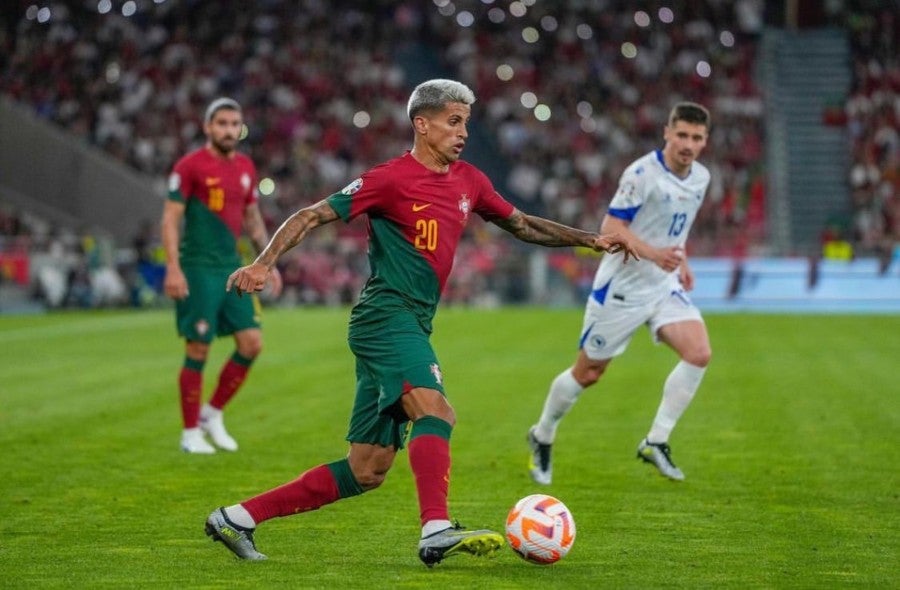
<point>192,441</point>
<point>211,423</point>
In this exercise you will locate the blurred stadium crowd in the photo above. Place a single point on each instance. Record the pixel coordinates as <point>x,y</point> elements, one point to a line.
<point>569,92</point>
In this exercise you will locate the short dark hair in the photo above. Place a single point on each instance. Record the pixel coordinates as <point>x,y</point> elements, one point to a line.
<point>689,112</point>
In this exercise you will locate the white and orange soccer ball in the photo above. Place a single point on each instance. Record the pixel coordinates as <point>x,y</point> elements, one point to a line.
<point>540,529</point>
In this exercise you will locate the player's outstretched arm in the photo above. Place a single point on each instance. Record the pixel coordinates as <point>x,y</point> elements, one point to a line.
<point>668,258</point>
<point>537,230</point>
<point>295,228</point>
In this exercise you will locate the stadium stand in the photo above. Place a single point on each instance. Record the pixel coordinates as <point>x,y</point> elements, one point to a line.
<point>324,93</point>
<point>871,119</point>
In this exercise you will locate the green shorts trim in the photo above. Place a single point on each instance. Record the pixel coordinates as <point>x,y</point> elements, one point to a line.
<point>209,311</point>
<point>390,360</point>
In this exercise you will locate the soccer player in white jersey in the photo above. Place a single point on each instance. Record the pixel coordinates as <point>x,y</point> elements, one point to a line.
<point>656,202</point>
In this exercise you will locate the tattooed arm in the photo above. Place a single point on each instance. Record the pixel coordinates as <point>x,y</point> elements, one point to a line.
<point>538,230</point>
<point>294,229</point>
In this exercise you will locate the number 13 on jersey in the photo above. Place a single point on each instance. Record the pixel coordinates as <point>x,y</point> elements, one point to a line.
<point>677,225</point>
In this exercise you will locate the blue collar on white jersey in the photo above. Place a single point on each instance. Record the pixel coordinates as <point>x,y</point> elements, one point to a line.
<point>662,160</point>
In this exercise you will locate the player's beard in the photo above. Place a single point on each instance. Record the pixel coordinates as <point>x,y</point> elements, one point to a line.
<point>224,146</point>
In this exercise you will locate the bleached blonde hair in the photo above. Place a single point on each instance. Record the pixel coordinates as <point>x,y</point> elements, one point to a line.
<point>433,95</point>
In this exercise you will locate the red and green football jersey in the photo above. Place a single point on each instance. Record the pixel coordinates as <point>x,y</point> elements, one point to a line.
<point>415,220</point>
<point>215,191</point>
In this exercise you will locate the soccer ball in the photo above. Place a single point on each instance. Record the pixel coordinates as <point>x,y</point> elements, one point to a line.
<point>540,529</point>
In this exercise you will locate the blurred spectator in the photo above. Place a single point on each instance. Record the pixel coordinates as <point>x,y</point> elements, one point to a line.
<point>573,95</point>
<point>871,116</point>
<point>326,93</point>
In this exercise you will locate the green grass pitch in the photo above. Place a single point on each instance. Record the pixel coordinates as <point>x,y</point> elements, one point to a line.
<point>790,450</point>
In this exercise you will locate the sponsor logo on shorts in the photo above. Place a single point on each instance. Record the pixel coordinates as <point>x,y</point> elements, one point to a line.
<point>598,341</point>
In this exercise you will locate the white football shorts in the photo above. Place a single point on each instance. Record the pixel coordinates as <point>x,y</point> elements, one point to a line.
<point>608,327</point>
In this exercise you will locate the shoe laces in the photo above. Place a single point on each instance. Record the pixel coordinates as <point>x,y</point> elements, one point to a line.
<point>665,450</point>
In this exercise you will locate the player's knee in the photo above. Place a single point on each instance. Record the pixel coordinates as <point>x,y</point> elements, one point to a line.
<point>250,346</point>
<point>448,415</point>
<point>369,478</point>
<point>252,350</point>
<point>588,375</point>
<point>421,402</point>
<point>197,351</point>
<point>699,357</point>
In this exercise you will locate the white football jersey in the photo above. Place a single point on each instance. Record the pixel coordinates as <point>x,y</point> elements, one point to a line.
<point>660,208</point>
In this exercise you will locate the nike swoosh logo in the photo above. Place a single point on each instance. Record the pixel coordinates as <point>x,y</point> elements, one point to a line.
<point>417,207</point>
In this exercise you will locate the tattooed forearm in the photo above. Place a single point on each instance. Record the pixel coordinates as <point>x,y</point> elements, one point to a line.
<point>538,230</point>
<point>294,230</point>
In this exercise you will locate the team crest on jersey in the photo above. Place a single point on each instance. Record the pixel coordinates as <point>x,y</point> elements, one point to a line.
<point>245,181</point>
<point>174,181</point>
<point>436,371</point>
<point>352,187</point>
<point>465,205</point>
<point>202,327</point>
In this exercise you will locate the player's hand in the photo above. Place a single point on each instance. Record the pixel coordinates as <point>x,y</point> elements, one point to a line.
<point>686,276</point>
<point>175,284</point>
<point>249,279</point>
<point>669,258</point>
<point>613,243</point>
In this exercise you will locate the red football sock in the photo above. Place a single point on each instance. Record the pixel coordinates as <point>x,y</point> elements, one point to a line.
<point>230,380</point>
<point>190,385</point>
<point>429,457</point>
<point>313,489</point>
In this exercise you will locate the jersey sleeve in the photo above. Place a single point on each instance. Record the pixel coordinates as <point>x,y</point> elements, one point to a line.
<point>363,195</point>
<point>490,205</point>
<point>629,196</point>
<point>180,182</point>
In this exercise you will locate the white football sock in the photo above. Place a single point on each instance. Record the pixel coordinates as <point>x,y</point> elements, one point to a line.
<point>434,526</point>
<point>239,516</point>
<point>563,394</point>
<point>681,385</point>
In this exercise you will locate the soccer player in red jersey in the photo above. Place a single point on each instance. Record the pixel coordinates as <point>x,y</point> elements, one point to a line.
<point>417,207</point>
<point>212,193</point>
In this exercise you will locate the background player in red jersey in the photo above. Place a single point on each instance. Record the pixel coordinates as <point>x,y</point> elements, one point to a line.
<point>212,190</point>
<point>417,206</point>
